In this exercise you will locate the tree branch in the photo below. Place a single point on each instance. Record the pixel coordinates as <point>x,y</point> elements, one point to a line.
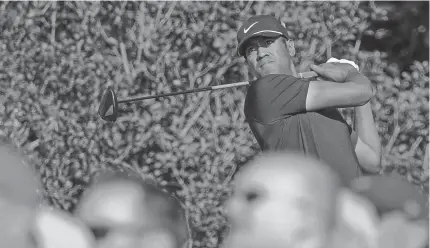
<point>125,61</point>
<point>53,22</point>
<point>194,118</point>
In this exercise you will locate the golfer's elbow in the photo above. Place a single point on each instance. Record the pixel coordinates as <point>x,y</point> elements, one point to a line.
<point>369,158</point>
<point>372,163</point>
<point>376,164</point>
<point>372,168</point>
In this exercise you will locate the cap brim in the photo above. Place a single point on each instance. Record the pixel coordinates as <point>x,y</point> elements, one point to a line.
<point>256,34</point>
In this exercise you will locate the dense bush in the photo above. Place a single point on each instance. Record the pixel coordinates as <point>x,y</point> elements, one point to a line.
<point>58,57</point>
<point>403,34</point>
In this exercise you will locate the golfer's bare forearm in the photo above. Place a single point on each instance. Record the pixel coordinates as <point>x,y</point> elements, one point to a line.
<point>326,94</point>
<point>366,128</point>
<point>364,122</point>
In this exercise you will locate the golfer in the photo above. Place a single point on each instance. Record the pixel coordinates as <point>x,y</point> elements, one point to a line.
<point>285,112</point>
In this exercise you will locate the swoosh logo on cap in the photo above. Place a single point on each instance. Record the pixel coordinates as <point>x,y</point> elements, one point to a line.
<point>247,29</point>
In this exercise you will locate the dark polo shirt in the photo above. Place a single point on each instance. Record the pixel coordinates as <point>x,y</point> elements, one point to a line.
<point>275,108</point>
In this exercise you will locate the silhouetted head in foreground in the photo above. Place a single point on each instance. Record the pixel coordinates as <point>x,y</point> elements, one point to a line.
<point>18,197</point>
<point>24,223</point>
<point>283,200</point>
<point>124,211</point>
<point>357,222</point>
<point>19,184</point>
<point>402,208</point>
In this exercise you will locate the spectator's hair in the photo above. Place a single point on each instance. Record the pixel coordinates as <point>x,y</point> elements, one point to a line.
<point>158,201</point>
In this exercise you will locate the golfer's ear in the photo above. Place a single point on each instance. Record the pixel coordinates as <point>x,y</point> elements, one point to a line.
<point>291,47</point>
<point>251,71</point>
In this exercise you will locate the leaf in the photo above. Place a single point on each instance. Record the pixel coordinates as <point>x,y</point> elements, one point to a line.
<point>53,126</point>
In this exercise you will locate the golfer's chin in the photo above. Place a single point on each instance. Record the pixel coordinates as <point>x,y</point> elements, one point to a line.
<point>267,69</point>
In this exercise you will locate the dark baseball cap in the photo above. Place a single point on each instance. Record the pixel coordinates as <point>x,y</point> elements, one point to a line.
<point>390,194</point>
<point>260,25</point>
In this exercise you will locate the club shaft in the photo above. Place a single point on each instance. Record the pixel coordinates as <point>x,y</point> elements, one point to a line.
<point>223,86</point>
<point>209,88</point>
<point>216,87</point>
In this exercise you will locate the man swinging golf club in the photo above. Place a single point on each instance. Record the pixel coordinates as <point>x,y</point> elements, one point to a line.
<point>285,112</point>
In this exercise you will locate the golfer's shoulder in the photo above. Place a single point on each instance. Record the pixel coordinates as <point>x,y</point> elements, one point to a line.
<point>275,88</point>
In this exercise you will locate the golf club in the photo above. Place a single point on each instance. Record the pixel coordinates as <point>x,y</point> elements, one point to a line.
<point>108,108</point>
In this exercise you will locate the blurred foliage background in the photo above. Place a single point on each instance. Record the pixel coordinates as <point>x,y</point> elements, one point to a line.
<point>56,58</point>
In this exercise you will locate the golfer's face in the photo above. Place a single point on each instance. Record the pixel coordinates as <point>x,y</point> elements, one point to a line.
<point>267,55</point>
<point>273,209</point>
<point>117,217</point>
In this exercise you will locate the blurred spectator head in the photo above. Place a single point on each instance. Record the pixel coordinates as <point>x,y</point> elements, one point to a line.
<point>22,223</point>
<point>122,210</point>
<point>54,228</point>
<point>283,200</point>
<point>19,184</point>
<point>390,194</point>
<point>18,196</point>
<point>396,230</point>
<point>357,222</point>
<point>402,208</point>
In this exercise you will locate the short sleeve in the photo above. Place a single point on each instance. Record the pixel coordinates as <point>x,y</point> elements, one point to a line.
<point>349,128</point>
<point>289,96</point>
<point>274,97</point>
<point>353,136</point>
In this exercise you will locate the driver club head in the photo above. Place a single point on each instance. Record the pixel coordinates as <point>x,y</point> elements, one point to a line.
<point>108,108</point>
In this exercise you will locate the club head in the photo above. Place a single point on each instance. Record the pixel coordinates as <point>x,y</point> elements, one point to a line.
<point>108,108</point>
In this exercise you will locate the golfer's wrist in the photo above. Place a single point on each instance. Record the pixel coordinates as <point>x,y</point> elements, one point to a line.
<point>358,78</point>
<point>344,61</point>
<point>352,73</point>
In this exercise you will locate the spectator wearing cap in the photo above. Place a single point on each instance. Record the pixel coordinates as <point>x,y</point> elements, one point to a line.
<point>287,113</point>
